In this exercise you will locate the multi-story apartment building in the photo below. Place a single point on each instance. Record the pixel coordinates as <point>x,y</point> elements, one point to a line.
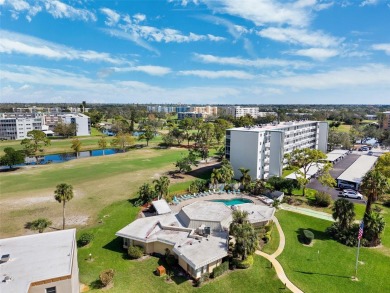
<point>205,110</point>
<point>161,109</point>
<point>14,126</point>
<point>180,109</point>
<point>386,120</point>
<point>262,148</point>
<point>38,263</point>
<point>239,111</point>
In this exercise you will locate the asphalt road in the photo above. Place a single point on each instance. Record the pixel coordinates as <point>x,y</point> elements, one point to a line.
<point>335,172</point>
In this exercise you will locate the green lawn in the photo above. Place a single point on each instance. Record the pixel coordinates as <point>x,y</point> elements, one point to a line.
<point>137,276</point>
<point>331,269</point>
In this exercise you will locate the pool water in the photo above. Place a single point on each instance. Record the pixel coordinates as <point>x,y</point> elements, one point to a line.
<point>232,202</point>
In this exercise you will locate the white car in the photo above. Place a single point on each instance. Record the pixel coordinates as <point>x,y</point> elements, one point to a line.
<point>350,193</point>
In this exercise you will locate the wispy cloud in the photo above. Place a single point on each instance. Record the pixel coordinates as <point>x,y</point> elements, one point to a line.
<point>131,36</point>
<point>256,63</point>
<point>148,69</point>
<point>315,53</point>
<point>300,37</point>
<point>382,47</point>
<point>369,2</point>
<point>56,8</point>
<point>263,12</point>
<point>112,16</point>
<point>14,43</point>
<point>218,74</point>
<point>363,76</point>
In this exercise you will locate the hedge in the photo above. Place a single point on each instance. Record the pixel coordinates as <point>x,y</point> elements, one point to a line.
<point>218,271</point>
<point>244,264</point>
<point>85,239</point>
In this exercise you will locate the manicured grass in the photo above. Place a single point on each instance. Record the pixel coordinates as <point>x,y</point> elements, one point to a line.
<point>273,244</point>
<point>331,269</point>
<point>308,192</point>
<point>138,276</point>
<point>287,172</point>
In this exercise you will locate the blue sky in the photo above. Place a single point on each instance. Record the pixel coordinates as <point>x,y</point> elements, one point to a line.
<point>199,51</point>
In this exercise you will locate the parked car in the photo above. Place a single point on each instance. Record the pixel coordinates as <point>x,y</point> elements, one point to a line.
<point>350,193</point>
<point>370,153</point>
<point>363,149</point>
<point>346,186</point>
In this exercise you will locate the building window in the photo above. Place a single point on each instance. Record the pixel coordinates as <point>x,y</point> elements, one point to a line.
<point>51,290</point>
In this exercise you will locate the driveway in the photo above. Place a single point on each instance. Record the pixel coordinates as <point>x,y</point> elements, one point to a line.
<point>335,172</point>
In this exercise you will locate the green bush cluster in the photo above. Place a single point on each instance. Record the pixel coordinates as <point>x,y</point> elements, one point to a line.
<point>218,271</point>
<point>243,264</point>
<point>85,239</point>
<point>307,236</point>
<point>135,252</point>
<point>322,199</point>
<point>386,203</point>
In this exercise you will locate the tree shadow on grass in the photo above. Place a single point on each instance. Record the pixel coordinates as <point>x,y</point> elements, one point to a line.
<point>322,274</point>
<point>115,245</point>
<point>203,172</point>
<point>97,284</point>
<point>9,169</point>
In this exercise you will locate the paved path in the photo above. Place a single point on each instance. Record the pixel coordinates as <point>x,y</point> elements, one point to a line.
<point>307,212</point>
<point>275,263</point>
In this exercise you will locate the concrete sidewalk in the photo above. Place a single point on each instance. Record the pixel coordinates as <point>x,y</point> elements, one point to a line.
<point>275,263</point>
<point>307,212</point>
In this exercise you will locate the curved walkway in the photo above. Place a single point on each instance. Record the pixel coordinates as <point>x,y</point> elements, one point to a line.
<point>278,267</point>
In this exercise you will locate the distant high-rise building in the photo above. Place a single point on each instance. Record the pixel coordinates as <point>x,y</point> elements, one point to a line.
<point>386,120</point>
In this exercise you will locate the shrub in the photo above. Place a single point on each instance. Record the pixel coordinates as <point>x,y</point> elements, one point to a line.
<point>218,271</point>
<point>171,260</point>
<point>135,251</point>
<point>106,277</point>
<point>308,236</point>
<point>85,238</point>
<point>244,264</point>
<point>203,278</point>
<point>322,199</point>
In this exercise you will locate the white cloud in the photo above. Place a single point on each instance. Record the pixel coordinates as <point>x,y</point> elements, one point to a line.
<point>300,37</point>
<point>148,69</point>
<point>14,43</point>
<point>316,53</point>
<point>217,74</point>
<point>166,35</point>
<point>139,17</point>
<point>350,77</point>
<point>369,2</point>
<point>131,36</point>
<point>256,63</point>
<point>263,12</point>
<point>61,10</point>
<point>382,47</point>
<point>112,16</point>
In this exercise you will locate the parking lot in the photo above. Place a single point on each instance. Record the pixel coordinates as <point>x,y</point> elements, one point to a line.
<point>335,172</point>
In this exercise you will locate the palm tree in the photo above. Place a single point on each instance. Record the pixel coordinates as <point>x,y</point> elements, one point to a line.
<point>63,194</point>
<point>40,224</point>
<point>259,187</point>
<point>344,212</point>
<point>102,143</point>
<point>161,186</point>
<point>246,241</point>
<point>246,178</point>
<point>373,228</point>
<point>373,186</point>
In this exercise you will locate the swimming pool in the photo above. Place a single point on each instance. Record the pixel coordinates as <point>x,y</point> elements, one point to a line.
<point>232,202</point>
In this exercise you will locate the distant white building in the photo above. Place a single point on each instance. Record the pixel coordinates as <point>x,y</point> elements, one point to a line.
<point>262,148</point>
<point>15,126</point>
<point>40,263</point>
<point>239,111</point>
<point>83,123</point>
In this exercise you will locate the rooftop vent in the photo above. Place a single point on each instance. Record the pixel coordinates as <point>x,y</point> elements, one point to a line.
<point>4,258</point>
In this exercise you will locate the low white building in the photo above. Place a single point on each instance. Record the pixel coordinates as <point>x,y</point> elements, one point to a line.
<point>261,148</point>
<point>197,236</point>
<point>40,263</point>
<point>239,111</point>
<point>83,123</point>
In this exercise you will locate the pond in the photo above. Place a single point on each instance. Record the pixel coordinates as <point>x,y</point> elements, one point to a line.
<point>64,157</point>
